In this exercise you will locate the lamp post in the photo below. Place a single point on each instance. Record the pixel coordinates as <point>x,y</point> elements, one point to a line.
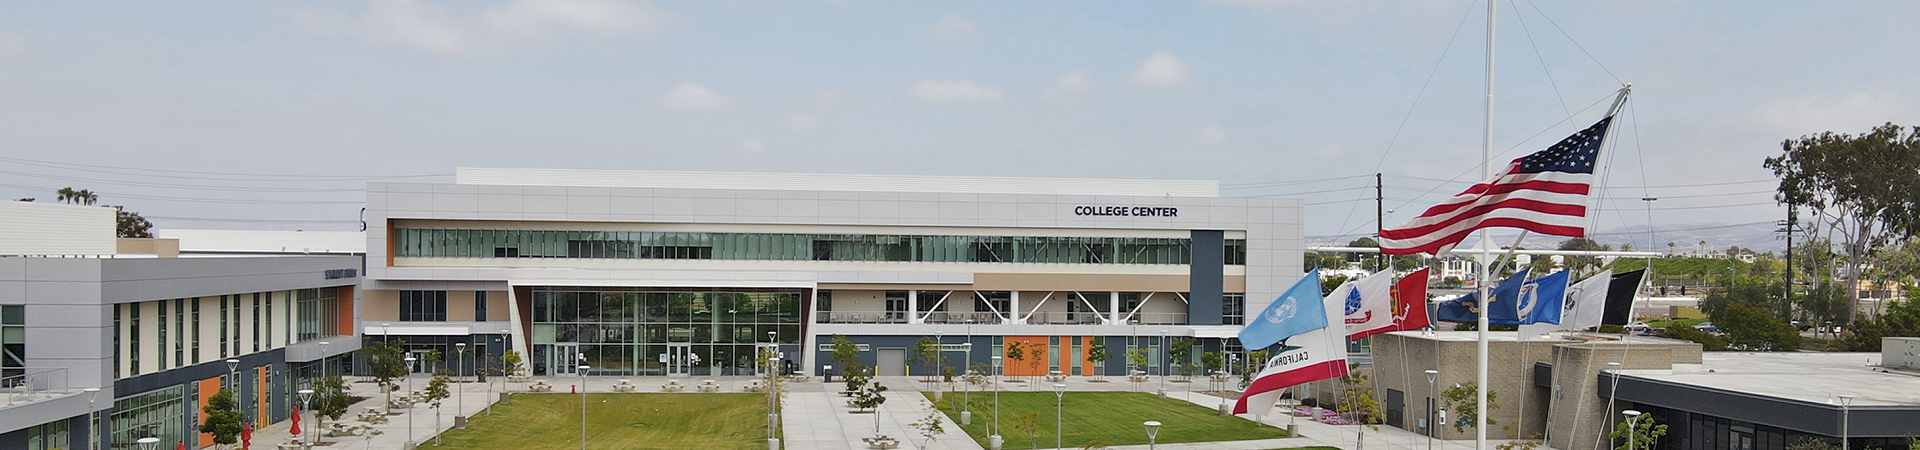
<point>233,381</point>
<point>148,443</point>
<point>966,398</point>
<point>1846,410</point>
<point>583,405</point>
<point>92,424</point>
<point>1163,363</point>
<point>459,401</point>
<point>306,399</point>
<point>993,437</point>
<point>1633,427</point>
<point>1059,397</point>
<point>323,359</point>
<point>1432,399</point>
<point>409,360</point>
<point>773,415</point>
<point>1153,433</point>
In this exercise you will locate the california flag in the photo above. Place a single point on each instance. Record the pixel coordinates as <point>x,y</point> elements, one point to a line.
<point>1314,355</point>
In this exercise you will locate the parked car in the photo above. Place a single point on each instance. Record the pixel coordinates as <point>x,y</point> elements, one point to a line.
<point>1707,327</point>
<point>1802,326</point>
<point>1638,327</point>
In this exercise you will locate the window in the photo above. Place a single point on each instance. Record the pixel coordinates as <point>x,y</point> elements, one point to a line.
<point>160,413</point>
<point>318,315</point>
<point>180,331</point>
<point>998,301</point>
<point>196,331</point>
<point>116,341</point>
<point>256,321</point>
<point>13,340</point>
<point>823,301</point>
<point>897,305</point>
<point>462,243</point>
<point>480,306</point>
<point>1236,252</point>
<point>223,327</point>
<point>423,306</point>
<point>161,318</point>
<point>133,354</point>
<point>234,339</point>
<point>50,436</point>
<point>1233,309</point>
<point>269,319</point>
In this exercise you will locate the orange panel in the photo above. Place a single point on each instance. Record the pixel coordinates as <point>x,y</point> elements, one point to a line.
<point>345,294</point>
<point>1035,362</point>
<point>260,397</point>
<point>208,388</point>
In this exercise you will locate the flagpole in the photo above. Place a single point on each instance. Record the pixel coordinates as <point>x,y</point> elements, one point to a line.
<point>1486,250</point>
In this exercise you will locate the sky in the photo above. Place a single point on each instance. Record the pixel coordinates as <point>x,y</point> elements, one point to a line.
<point>272,114</point>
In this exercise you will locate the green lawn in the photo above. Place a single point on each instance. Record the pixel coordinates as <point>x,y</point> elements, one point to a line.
<point>1113,416</point>
<point>624,421</point>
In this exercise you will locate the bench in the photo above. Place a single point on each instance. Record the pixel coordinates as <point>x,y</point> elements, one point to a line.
<point>293,443</point>
<point>1056,376</point>
<point>518,378</point>
<point>623,386</point>
<point>709,386</point>
<point>755,386</point>
<point>1137,377</point>
<point>672,386</point>
<point>337,429</point>
<point>540,386</point>
<point>882,442</point>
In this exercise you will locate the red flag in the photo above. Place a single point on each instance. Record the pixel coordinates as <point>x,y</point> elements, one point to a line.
<point>1409,305</point>
<point>296,421</point>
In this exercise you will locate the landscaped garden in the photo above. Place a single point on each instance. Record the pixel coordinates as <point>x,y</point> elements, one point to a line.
<point>1027,419</point>
<point>625,421</point>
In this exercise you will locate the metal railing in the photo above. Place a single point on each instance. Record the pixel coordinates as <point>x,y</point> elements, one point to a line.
<point>35,384</point>
<point>988,318</point>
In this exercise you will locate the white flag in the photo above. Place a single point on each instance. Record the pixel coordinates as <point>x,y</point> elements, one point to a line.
<point>1586,304</point>
<point>1369,303</point>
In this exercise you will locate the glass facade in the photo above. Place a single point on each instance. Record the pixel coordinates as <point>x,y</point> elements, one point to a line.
<point>629,331</point>
<point>161,413</point>
<point>319,313</point>
<point>469,243</point>
<point>13,340</point>
<point>423,306</point>
<point>1233,309</point>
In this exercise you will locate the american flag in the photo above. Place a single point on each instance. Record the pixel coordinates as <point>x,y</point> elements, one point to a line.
<point>1545,192</point>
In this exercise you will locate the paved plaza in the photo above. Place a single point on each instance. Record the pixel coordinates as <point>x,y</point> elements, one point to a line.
<point>817,416</point>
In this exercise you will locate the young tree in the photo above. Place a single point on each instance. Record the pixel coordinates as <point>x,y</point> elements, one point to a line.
<point>511,363</point>
<point>222,418</point>
<point>1210,363</point>
<point>927,355</point>
<point>1026,424</point>
<point>1016,351</point>
<point>330,400</point>
<point>433,358</point>
<point>1356,398</point>
<point>845,354</point>
<point>868,396</point>
<point>386,363</point>
<point>1097,351</point>
<point>929,427</point>
<point>436,391</point>
<point>1182,354</point>
<point>1463,399</point>
<point>1639,432</point>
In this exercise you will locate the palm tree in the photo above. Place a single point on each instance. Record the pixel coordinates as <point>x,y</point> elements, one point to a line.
<point>70,195</point>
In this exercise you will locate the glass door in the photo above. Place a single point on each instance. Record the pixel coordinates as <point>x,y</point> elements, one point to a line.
<point>760,366</point>
<point>679,359</point>
<point>566,359</point>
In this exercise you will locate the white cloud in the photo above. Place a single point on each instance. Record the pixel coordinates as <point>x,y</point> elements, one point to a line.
<point>12,44</point>
<point>956,91</point>
<point>433,28</point>
<point>954,28</point>
<point>1335,12</point>
<point>1211,135</point>
<point>1074,82</point>
<point>689,97</point>
<point>1162,70</point>
<point>753,147</point>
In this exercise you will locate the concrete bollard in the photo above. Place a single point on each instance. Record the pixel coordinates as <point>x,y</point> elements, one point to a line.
<point>994,441</point>
<point>966,417</point>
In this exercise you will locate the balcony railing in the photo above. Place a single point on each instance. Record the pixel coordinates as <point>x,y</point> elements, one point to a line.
<point>34,384</point>
<point>988,318</point>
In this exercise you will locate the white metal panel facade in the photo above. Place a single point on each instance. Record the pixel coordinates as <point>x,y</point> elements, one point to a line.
<point>267,242</point>
<point>835,182</point>
<point>29,228</point>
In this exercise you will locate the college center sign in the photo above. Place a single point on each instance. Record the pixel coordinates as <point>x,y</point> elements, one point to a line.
<point>1134,211</point>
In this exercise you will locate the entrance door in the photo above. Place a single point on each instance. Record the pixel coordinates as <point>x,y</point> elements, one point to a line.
<point>760,366</point>
<point>419,364</point>
<point>1396,403</point>
<point>892,361</point>
<point>679,359</point>
<point>566,359</point>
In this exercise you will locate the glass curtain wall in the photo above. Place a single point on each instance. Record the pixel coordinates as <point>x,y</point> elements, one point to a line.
<point>625,332</point>
<point>319,313</point>
<point>161,413</point>
<point>468,243</point>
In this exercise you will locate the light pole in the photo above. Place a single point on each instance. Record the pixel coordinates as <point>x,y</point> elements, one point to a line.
<point>1432,399</point>
<point>148,443</point>
<point>323,359</point>
<point>488,366</point>
<point>1059,397</point>
<point>1633,427</point>
<point>92,424</point>
<point>1153,433</point>
<point>1846,410</point>
<point>459,401</point>
<point>1163,363</point>
<point>993,438</point>
<point>966,398</point>
<point>306,398</point>
<point>409,360</point>
<point>234,381</point>
<point>773,415</point>
<point>583,405</point>
<point>939,353</point>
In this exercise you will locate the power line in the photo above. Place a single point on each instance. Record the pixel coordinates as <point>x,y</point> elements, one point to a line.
<point>176,185</point>
<point>267,177</point>
<point>1262,184</point>
<point>165,198</point>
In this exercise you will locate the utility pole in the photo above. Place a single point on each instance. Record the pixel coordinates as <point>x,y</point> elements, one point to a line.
<point>1379,219</point>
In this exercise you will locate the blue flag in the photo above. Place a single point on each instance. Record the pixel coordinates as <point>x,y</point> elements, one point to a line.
<point>1466,309</point>
<point>1542,300</point>
<point>1299,310</point>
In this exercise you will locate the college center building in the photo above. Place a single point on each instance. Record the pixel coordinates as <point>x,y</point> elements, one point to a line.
<point>689,273</point>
